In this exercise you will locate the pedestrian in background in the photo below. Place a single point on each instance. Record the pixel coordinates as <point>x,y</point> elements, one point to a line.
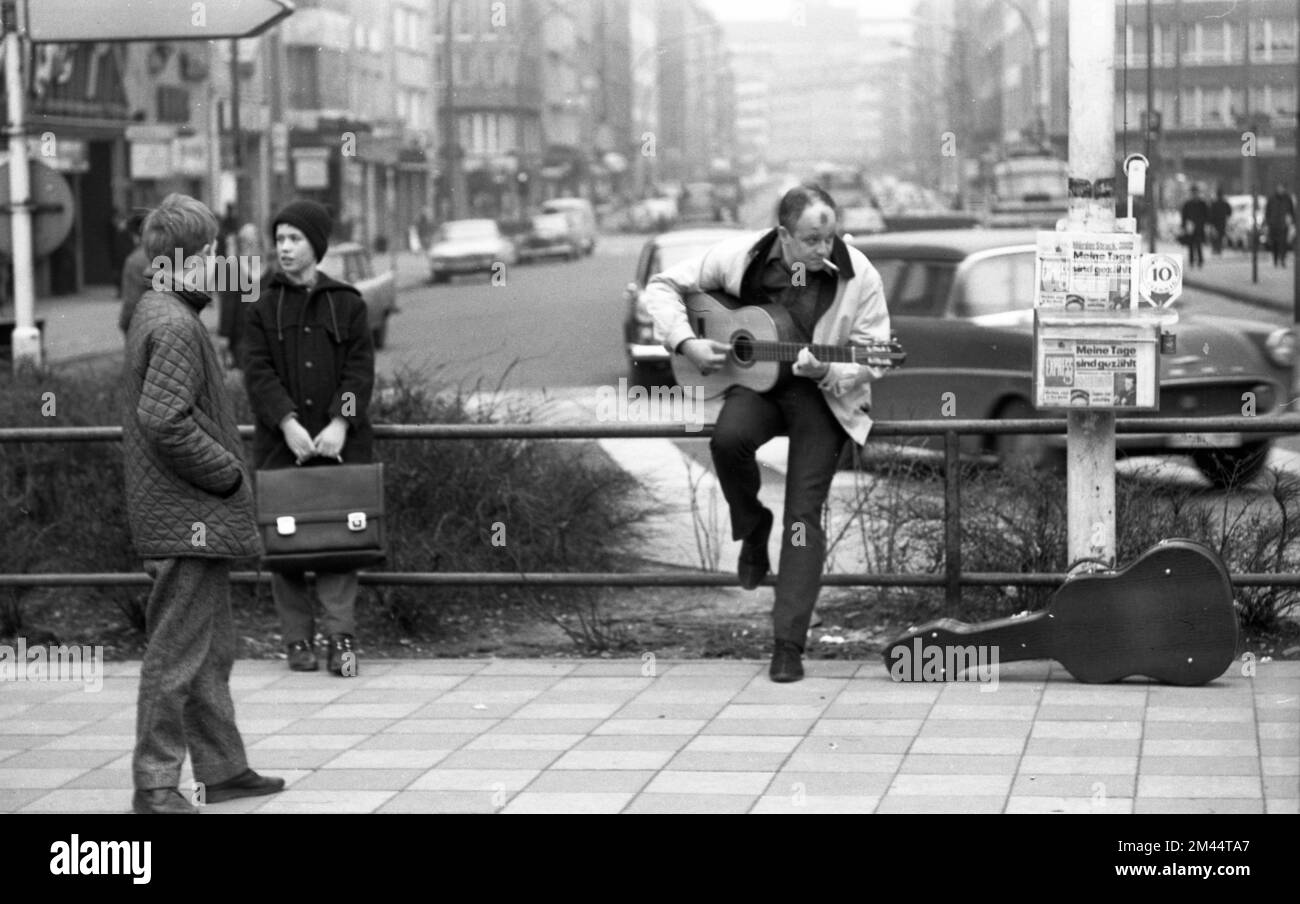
<point>1220,211</point>
<point>190,510</point>
<point>135,273</point>
<point>1195,214</point>
<point>310,370</point>
<point>1279,215</point>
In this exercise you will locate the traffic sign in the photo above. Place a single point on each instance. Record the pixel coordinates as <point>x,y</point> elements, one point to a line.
<point>52,205</point>
<point>63,21</point>
<point>1160,279</point>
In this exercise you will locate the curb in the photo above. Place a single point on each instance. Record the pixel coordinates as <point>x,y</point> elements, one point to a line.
<point>1245,297</point>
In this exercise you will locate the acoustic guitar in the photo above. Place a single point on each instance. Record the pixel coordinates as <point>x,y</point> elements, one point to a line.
<point>762,345</point>
<point>1168,616</point>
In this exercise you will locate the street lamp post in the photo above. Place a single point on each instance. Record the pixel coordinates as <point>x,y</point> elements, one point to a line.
<point>453,178</point>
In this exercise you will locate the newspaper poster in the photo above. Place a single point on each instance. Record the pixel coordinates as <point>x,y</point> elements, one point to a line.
<point>1092,373</point>
<point>1086,271</point>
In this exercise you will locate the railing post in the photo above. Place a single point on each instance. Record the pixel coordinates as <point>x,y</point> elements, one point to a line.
<point>951,522</point>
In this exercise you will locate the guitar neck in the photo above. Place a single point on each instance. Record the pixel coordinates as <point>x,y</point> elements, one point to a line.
<point>1015,639</point>
<point>827,354</point>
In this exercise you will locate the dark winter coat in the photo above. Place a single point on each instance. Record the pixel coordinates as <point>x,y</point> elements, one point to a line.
<point>187,488</point>
<point>310,353</point>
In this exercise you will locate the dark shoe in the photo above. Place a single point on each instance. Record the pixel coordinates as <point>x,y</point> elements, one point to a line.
<point>302,658</point>
<point>343,656</point>
<point>787,661</point>
<point>753,564</point>
<point>161,800</point>
<point>247,784</point>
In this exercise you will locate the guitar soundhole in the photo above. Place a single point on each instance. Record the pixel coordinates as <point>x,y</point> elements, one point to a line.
<point>742,349</point>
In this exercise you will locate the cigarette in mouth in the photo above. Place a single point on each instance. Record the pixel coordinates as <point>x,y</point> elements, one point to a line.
<point>829,266</point>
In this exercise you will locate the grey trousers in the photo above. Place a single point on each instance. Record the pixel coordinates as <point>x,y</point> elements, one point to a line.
<point>293,602</point>
<point>184,700</point>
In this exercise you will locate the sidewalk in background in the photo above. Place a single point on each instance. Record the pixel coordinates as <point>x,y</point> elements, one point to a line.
<point>1229,274</point>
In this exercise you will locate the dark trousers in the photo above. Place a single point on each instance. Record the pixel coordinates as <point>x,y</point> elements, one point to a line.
<point>184,700</point>
<point>1277,240</point>
<point>748,420</point>
<point>293,602</point>
<point>1195,247</point>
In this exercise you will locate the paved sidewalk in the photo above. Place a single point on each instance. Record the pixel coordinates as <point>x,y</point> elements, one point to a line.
<point>635,735</point>
<point>1229,274</point>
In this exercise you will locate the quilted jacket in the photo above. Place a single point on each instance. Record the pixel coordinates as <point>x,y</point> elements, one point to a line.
<point>309,352</point>
<point>187,489</point>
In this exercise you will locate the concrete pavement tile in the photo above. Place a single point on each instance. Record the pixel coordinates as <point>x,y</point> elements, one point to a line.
<point>1197,786</point>
<point>567,711</point>
<point>398,741</point>
<point>832,668</point>
<point>285,758</point>
<point>24,726</point>
<point>1278,730</point>
<point>566,781</point>
<point>976,693</point>
<point>758,726</point>
<point>278,710</point>
<point>1089,785</point>
<point>976,728</point>
<point>810,690</point>
<point>56,759</point>
<point>386,759</point>
<point>14,799</point>
<point>1195,748</point>
<point>1047,728</point>
<point>691,803</point>
<point>505,780</point>
<point>712,697</point>
<point>750,783</point>
<point>545,726</point>
<point>334,726</point>
<point>367,711</point>
<point>1277,747</point>
<point>613,759</point>
<point>727,761</point>
<point>794,783</point>
<point>1273,765</point>
<point>40,778</point>
<point>497,684</point>
<point>1243,713</point>
<point>1197,805</point>
<point>1057,712</point>
<point>613,668</point>
<point>878,711</point>
<point>364,696</point>
<point>637,710</point>
<point>296,800</point>
<point>440,726</point>
<point>913,802</point>
<point>10,710</point>
<point>115,726</point>
<point>844,762</point>
<point>965,746</point>
<point>501,741</point>
<point>358,780</point>
<point>993,712</point>
<point>304,741</point>
<point>952,784</point>
<point>633,683</point>
<point>1193,730</point>
<point>1083,747</point>
<point>459,697</point>
<point>500,759</point>
<point>436,666</point>
<point>544,668</point>
<point>96,800</point>
<point>716,668</point>
<point>483,710</point>
<point>1033,803</point>
<point>959,764</point>
<point>1284,714</point>
<point>1281,786</point>
<point>446,802</point>
<point>744,743</point>
<point>1200,765</point>
<point>1199,697</point>
<point>867,727</point>
<point>250,727</point>
<point>634,742</point>
<point>858,696</point>
<point>106,777</point>
<point>1111,695</point>
<point>418,684</point>
<point>770,711</point>
<point>1277,700</point>
<point>90,711</point>
<point>1283,805</point>
<point>649,726</point>
<point>781,803</point>
<point>299,695</point>
<point>559,696</point>
<point>537,802</point>
<point>1079,765</point>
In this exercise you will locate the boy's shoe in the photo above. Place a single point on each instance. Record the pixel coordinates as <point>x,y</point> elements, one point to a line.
<point>161,800</point>
<point>302,657</point>
<point>753,564</point>
<point>787,661</point>
<point>343,655</point>
<point>247,784</point>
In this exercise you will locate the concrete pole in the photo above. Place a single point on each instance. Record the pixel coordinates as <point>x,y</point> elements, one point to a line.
<point>26,337</point>
<point>1091,434</point>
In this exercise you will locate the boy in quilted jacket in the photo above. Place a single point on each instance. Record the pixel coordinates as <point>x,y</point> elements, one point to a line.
<point>190,512</point>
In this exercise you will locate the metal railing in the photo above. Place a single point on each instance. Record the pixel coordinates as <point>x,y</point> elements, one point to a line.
<point>952,579</point>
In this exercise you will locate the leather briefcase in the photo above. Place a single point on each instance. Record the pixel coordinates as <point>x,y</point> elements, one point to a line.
<point>321,518</point>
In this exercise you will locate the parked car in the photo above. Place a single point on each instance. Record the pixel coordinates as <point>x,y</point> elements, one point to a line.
<point>961,303</point>
<point>653,214</point>
<point>351,263</point>
<point>582,219</point>
<point>649,363</point>
<point>468,246</point>
<point>861,220</point>
<point>548,235</point>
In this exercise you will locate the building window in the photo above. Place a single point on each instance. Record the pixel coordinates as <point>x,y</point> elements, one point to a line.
<point>173,104</point>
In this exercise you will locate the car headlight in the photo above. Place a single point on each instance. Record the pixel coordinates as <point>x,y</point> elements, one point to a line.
<point>1281,347</point>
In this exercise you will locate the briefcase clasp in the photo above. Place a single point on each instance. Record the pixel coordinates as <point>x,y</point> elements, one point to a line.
<point>285,526</point>
<point>356,521</point>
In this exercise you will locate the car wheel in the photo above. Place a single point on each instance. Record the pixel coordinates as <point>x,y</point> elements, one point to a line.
<point>379,335</point>
<point>1228,468</point>
<point>1023,450</point>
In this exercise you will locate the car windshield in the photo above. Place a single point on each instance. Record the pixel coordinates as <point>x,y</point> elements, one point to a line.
<point>998,285</point>
<point>469,229</point>
<point>914,287</point>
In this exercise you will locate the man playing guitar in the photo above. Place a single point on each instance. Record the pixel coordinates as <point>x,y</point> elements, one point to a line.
<point>833,296</point>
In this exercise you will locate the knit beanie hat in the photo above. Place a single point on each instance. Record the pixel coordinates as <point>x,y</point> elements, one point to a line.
<point>311,219</point>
